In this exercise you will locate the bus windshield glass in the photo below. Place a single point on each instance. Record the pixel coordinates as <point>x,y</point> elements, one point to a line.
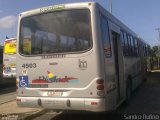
<point>56,32</point>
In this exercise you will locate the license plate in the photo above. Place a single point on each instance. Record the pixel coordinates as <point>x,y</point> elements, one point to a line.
<point>54,93</point>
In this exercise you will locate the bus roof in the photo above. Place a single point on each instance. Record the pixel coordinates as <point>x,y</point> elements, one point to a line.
<point>57,7</point>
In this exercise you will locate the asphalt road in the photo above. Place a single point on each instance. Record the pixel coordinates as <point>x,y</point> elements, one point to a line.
<point>4,98</point>
<point>146,99</point>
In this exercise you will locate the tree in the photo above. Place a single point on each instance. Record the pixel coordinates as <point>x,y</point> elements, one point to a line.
<point>154,51</point>
<point>155,55</point>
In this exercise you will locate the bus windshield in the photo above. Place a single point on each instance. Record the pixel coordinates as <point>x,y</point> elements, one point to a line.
<point>56,32</point>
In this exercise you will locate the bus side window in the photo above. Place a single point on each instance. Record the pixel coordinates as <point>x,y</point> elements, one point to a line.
<point>136,47</point>
<point>126,52</point>
<point>129,45</point>
<point>132,46</point>
<point>122,41</point>
<point>105,37</point>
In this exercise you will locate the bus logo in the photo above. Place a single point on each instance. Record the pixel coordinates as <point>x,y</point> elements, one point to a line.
<point>82,63</point>
<point>52,78</point>
<point>23,81</point>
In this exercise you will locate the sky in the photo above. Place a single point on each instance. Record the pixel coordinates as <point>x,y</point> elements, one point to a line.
<point>141,16</point>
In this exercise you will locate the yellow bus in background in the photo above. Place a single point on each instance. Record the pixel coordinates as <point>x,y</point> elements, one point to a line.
<point>9,58</point>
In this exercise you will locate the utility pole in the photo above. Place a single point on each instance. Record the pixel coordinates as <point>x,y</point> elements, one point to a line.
<point>110,8</point>
<point>158,29</point>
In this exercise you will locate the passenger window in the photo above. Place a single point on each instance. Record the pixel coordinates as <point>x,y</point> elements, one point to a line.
<point>136,47</point>
<point>126,52</point>
<point>105,37</point>
<point>123,42</point>
<point>139,47</point>
<point>122,39</point>
<point>132,46</point>
<point>129,45</point>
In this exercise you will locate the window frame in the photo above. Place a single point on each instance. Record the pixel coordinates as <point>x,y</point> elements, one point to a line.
<point>109,40</point>
<point>74,52</point>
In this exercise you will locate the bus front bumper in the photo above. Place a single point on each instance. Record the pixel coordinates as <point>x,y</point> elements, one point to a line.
<point>88,104</point>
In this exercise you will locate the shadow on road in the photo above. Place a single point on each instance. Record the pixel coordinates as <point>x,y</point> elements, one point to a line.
<point>87,116</point>
<point>146,98</point>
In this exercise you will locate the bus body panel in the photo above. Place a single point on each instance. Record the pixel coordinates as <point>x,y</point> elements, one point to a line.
<point>62,77</point>
<point>68,76</point>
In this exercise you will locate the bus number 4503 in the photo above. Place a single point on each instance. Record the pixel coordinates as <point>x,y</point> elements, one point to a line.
<point>29,65</point>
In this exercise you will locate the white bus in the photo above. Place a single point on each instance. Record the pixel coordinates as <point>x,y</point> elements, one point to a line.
<point>78,57</point>
<point>9,58</point>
